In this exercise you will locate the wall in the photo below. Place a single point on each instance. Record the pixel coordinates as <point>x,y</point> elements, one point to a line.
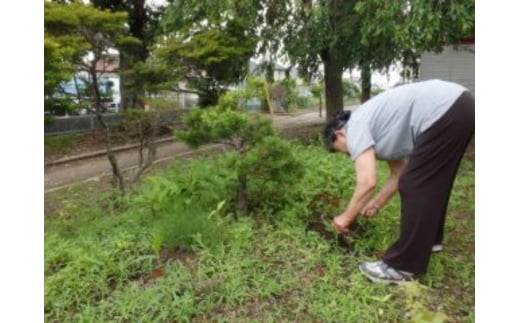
<point>452,65</point>
<point>74,124</point>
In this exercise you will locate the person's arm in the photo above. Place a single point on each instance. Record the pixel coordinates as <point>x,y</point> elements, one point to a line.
<point>388,190</point>
<point>366,180</point>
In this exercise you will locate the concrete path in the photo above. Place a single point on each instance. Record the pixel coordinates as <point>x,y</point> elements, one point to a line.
<point>67,173</point>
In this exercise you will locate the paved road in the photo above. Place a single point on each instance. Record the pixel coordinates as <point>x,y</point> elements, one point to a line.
<point>62,175</point>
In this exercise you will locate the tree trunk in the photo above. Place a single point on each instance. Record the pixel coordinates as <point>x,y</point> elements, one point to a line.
<point>333,84</point>
<point>130,97</point>
<point>320,105</point>
<point>366,85</point>
<point>117,176</point>
<point>242,194</point>
<point>267,86</point>
<point>287,73</point>
<point>76,86</point>
<point>138,19</point>
<point>269,72</point>
<point>149,137</point>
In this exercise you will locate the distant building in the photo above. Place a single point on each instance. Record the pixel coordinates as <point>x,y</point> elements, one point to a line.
<point>279,71</point>
<point>456,64</point>
<point>108,79</point>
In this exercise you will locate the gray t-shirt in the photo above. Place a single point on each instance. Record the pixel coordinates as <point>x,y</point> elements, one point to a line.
<point>391,121</point>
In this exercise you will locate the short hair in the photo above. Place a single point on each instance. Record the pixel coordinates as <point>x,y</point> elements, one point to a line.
<point>340,120</point>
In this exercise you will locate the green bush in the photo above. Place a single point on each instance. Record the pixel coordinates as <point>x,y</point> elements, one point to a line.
<point>253,88</point>
<point>350,90</point>
<point>274,169</point>
<point>258,153</point>
<point>285,94</point>
<point>303,102</point>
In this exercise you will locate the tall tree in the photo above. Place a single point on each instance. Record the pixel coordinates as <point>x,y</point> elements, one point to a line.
<point>142,22</point>
<point>369,35</point>
<point>210,43</point>
<point>271,28</point>
<point>90,33</point>
<point>317,33</point>
<point>399,30</point>
<point>377,37</point>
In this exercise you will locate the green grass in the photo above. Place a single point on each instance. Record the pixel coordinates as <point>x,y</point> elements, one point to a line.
<point>54,144</point>
<point>171,251</point>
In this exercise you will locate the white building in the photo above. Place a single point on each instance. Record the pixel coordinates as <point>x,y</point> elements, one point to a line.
<point>453,64</point>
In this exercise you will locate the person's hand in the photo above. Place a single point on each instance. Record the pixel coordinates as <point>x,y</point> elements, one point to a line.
<point>370,210</point>
<point>339,228</point>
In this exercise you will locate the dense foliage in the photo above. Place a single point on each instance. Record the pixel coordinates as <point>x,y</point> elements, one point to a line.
<point>209,43</point>
<point>86,34</point>
<point>258,154</point>
<point>369,35</point>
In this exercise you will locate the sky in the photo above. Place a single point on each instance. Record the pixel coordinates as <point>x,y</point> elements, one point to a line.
<point>380,79</point>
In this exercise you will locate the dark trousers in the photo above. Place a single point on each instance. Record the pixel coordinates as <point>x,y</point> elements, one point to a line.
<point>425,186</point>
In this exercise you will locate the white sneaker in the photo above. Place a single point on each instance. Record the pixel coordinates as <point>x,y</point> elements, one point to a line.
<point>437,248</point>
<point>380,272</point>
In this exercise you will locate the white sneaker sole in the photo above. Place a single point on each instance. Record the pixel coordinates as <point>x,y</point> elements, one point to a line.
<point>437,248</point>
